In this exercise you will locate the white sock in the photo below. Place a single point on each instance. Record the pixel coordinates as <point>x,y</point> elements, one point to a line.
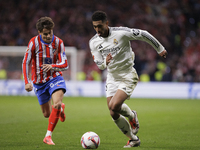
<point>49,133</point>
<point>61,109</point>
<point>124,126</point>
<point>126,111</point>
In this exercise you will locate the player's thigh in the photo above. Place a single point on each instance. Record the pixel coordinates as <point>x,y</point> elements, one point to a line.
<point>57,89</point>
<point>117,100</point>
<point>129,83</point>
<point>57,98</point>
<point>111,86</point>
<point>108,100</point>
<point>112,93</point>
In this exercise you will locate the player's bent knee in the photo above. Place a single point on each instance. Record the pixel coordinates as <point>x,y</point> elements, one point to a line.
<point>57,105</point>
<point>114,108</point>
<point>46,114</point>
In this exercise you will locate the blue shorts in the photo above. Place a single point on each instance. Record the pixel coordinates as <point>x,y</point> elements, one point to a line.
<point>44,91</point>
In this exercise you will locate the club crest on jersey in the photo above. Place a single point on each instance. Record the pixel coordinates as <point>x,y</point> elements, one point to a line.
<point>115,42</point>
<point>55,51</point>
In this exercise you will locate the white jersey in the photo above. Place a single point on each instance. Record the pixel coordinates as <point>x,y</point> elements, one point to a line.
<point>118,44</point>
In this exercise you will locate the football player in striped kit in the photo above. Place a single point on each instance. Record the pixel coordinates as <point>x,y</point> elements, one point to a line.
<point>111,49</point>
<point>46,54</point>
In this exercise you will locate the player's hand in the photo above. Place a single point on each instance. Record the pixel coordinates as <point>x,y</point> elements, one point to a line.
<point>46,67</point>
<point>163,54</point>
<point>108,58</point>
<point>28,87</point>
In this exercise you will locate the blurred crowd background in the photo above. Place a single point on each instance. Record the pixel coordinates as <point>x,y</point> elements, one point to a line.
<point>175,23</point>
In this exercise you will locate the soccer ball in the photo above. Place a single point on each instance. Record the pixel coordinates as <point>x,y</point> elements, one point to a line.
<point>90,140</point>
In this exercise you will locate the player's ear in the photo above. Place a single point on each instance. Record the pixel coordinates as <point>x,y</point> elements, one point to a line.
<point>39,32</point>
<point>107,23</point>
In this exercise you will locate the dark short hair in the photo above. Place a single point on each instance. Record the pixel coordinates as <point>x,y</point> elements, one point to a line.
<point>44,22</point>
<point>99,15</point>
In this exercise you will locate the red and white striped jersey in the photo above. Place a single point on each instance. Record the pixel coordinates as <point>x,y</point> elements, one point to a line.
<point>38,53</point>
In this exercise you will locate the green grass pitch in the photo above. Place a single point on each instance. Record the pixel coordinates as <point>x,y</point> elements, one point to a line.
<point>165,124</point>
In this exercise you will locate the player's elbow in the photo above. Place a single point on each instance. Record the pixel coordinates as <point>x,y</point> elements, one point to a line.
<point>100,64</point>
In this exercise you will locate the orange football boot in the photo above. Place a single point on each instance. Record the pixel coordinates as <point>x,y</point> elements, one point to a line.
<point>48,140</point>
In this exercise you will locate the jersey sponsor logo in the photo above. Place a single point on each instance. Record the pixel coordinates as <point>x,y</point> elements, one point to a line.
<point>48,60</point>
<point>115,42</point>
<point>113,51</point>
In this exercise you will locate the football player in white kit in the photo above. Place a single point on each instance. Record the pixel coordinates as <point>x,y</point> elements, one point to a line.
<point>111,49</point>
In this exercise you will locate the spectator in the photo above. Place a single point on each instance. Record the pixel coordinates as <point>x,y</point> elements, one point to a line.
<point>178,30</point>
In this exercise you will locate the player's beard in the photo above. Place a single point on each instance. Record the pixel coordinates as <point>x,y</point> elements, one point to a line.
<point>48,40</point>
<point>103,33</point>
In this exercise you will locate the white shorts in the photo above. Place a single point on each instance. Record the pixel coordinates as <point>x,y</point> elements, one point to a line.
<point>126,83</point>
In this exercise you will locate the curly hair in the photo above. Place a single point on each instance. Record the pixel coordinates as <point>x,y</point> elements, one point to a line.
<point>44,22</point>
<point>99,15</point>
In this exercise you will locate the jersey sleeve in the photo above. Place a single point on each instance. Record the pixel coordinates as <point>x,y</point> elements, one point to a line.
<point>26,61</point>
<point>143,35</point>
<point>63,64</point>
<point>97,57</point>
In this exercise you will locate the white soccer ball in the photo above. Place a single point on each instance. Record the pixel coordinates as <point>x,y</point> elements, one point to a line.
<point>90,140</point>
